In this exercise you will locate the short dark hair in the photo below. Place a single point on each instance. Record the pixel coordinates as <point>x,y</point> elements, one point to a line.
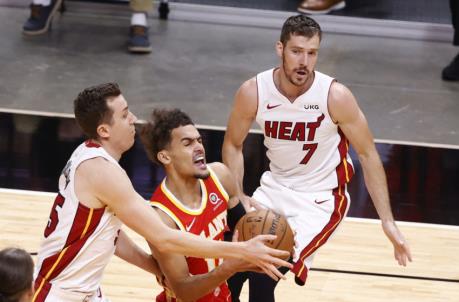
<point>299,25</point>
<point>16,273</point>
<point>156,134</point>
<point>91,108</point>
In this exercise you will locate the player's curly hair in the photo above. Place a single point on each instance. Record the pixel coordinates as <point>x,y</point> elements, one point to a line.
<point>299,25</point>
<point>91,108</point>
<point>156,134</point>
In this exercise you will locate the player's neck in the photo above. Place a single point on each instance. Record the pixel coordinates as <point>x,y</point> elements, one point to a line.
<point>114,152</point>
<point>286,88</point>
<point>187,190</point>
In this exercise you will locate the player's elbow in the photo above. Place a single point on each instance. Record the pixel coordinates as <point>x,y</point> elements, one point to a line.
<point>165,242</point>
<point>166,245</point>
<point>181,290</point>
<point>184,295</point>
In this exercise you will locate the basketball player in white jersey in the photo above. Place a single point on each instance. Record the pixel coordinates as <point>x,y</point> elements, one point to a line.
<point>96,197</point>
<point>307,118</point>
<point>194,197</point>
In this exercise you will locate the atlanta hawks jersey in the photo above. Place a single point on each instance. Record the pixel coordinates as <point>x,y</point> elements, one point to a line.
<point>79,241</point>
<point>209,221</point>
<point>306,149</point>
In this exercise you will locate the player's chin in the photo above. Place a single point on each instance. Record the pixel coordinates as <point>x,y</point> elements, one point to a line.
<point>130,143</point>
<point>202,174</point>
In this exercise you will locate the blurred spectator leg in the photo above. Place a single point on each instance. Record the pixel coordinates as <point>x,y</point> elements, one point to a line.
<point>41,15</point>
<point>139,41</point>
<point>451,72</point>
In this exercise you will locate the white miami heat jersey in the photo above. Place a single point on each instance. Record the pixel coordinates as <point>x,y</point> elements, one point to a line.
<point>306,149</point>
<point>79,241</point>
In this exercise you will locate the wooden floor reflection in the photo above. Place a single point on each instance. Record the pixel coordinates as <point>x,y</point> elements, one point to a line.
<point>356,265</point>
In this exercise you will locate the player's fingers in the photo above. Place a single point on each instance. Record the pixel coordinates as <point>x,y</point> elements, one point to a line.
<point>266,237</point>
<point>400,256</point>
<point>279,262</point>
<point>277,272</point>
<point>268,272</point>
<point>235,236</point>
<point>255,204</point>
<point>406,250</point>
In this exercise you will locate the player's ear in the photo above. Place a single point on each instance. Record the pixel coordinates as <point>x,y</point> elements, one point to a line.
<point>163,157</point>
<point>103,131</point>
<point>279,48</point>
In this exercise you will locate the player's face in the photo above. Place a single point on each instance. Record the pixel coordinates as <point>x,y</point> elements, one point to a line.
<point>121,128</point>
<point>187,152</point>
<point>299,57</point>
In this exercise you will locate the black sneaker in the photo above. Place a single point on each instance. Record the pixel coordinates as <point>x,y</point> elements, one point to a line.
<point>138,39</point>
<point>451,72</point>
<point>40,18</point>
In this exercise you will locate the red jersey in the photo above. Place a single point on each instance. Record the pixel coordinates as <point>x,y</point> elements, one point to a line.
<point>209,221</point>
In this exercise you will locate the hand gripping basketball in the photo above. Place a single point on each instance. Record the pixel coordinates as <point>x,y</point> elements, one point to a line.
<point>267,222</point>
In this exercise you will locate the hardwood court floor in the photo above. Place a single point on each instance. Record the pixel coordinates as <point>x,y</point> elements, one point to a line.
<point>359,246</point>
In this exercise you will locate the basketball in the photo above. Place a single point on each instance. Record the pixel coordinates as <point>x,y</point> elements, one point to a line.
<point>266,222</point>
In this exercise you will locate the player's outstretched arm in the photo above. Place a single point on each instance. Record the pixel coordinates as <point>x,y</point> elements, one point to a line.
<point>185,286</point>
<point>346,112</point>
<point>241,118</point>
<point>130,252</point>
<point>111,185</point>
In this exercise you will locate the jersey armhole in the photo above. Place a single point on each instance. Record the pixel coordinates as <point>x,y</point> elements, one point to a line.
<point>218,184</point>
<point>160,206</point>
<point>258,96</point>
<point>328,102</point>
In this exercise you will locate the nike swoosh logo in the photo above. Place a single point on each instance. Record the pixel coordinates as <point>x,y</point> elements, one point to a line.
<point>272,106</point>
<point>188,227</point>
<point>322,201</point>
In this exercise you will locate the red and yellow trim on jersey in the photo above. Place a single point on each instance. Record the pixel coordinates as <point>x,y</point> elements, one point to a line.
<point>84,224</point>
<point>180,205</point>
<point>169,213</point>
<point>344,170</point>
<point>300,269</point>
<point>218,184</point>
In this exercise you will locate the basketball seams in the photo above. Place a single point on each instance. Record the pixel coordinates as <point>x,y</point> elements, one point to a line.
<point>264,222</point>
<point>242,229</point>
<point>283,235</point>
<point>256,223</point>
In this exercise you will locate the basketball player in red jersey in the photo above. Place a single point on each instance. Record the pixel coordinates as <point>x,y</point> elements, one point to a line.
<point>96,197</point>
<point>194,197</point>
<point>308,120</point>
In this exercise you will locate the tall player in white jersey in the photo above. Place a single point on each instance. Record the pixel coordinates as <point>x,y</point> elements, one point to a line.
<point>96,196</point>
<point>308,119</point>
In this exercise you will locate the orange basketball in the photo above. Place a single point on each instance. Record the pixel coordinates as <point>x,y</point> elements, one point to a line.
<point>266,222</point>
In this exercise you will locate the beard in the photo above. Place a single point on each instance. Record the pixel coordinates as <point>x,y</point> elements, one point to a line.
<point>290,75</point>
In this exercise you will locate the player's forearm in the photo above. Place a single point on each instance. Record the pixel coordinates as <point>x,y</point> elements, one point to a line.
<point>234,160</point>
<point>188,244</point>
<point>146,222</point>
<point>194,287</point>
<point>376,183</point>
<point>127,250</point>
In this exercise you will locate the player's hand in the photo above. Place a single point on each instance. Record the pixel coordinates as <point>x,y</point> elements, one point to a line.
<point>264,257</point>
<point>250,204</point>
<point>239,265</point>
<point>402,251</point>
